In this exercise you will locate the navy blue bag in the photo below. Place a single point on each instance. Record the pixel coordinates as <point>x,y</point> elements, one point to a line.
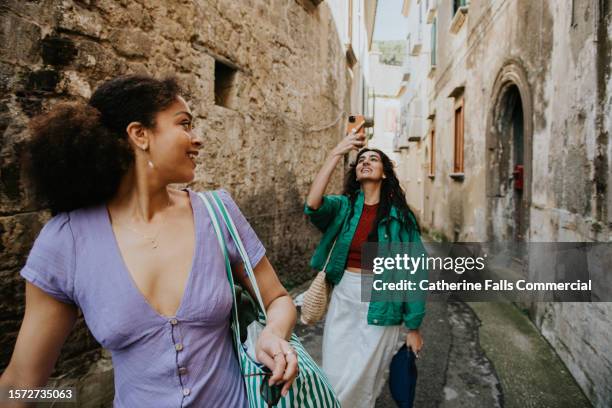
<point>403,377</point>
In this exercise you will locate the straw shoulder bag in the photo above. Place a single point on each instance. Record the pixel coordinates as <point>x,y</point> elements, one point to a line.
<point>316,298</point>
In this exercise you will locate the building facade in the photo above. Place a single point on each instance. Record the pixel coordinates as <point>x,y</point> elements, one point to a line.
<point>511,106</point>
<point>355,25</point>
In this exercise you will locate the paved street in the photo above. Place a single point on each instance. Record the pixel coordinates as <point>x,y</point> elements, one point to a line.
<point>479,355</point>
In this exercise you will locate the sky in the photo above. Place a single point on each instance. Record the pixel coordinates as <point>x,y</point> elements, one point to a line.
<point>390,24</point>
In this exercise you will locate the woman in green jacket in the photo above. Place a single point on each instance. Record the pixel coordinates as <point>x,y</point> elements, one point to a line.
<point>360,338</point>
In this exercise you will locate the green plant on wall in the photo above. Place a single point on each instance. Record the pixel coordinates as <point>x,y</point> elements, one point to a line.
<point>391,52</point>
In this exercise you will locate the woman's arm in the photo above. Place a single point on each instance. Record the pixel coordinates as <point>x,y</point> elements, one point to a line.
<point>279,306</point>
<point>45,327</point>
<point>317,189</point>
<point>272,346</point>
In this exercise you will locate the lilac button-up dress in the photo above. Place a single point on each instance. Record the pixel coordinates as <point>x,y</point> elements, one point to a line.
<point>185,360</point>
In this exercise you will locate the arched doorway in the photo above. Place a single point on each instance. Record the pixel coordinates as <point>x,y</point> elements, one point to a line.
<point>509,140</point>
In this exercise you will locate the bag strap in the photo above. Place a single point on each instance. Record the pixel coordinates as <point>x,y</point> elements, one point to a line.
<point>329,254</point>
<point>220,205</point>
<point>228,267</point>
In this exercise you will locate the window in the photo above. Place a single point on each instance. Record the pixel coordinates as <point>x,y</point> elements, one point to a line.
<point>434,48</point>
<point>224,83</point>
<point>457,4</point>
<point>432,152</point>
<point>434,40</point>
<point>420,13</point>
<point>459,127</point>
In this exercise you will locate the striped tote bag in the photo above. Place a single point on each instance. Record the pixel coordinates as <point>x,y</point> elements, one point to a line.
<point>311,387</point>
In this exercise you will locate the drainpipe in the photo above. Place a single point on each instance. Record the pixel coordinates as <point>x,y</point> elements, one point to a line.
<point>603,52</point>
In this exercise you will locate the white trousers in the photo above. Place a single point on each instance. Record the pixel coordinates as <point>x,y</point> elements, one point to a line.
<point>356,355</point>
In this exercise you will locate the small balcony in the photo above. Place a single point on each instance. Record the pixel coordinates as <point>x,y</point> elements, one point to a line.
<point>415,129</point>
<point>400,141</point>
<point>406,69</point>
<point>432,72</point>
<point>415,43</point>
<point>459,19</point>
<point>432,6</point>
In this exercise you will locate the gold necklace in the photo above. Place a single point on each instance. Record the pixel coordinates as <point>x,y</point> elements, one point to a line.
<point>152,239</point>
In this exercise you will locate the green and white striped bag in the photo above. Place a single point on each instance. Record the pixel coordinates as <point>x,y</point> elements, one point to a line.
<point>311,387</point>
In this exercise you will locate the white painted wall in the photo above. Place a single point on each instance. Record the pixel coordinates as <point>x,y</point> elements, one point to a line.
<point>359,39</point>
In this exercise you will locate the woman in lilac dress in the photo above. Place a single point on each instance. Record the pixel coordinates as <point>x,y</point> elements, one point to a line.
<point>140,259</point>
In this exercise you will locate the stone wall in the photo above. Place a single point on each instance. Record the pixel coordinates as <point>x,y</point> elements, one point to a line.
<point>281,116</point>
<point>557,53</point>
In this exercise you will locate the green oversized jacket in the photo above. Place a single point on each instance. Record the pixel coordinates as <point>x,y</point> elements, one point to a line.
<point>330,219</point>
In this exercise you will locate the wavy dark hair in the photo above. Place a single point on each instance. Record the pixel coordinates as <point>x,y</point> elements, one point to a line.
<point>79,151</point>
<point>391,195</point>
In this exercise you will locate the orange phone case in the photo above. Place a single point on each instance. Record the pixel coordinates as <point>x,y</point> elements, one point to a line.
<point>356,122</point>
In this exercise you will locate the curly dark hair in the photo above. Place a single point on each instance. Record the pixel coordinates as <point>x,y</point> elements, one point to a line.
<point>391,195</point>
<point>79,151</point>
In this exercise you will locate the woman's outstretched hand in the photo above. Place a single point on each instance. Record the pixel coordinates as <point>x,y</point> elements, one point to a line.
<point>352,141</point>
<point>278,355</point>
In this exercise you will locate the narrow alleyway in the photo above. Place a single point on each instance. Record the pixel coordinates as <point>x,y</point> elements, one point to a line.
<point>471,102</point>
<point>453,370</point>
<point>478,355</point>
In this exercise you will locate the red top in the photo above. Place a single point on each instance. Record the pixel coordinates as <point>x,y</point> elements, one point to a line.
<point>366,222</point>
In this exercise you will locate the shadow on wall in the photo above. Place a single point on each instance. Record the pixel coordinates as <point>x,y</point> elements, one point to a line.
<point>455,210</point>
<point>283,228</point>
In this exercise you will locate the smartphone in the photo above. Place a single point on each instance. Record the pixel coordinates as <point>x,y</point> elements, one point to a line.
<point>357,123</point>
